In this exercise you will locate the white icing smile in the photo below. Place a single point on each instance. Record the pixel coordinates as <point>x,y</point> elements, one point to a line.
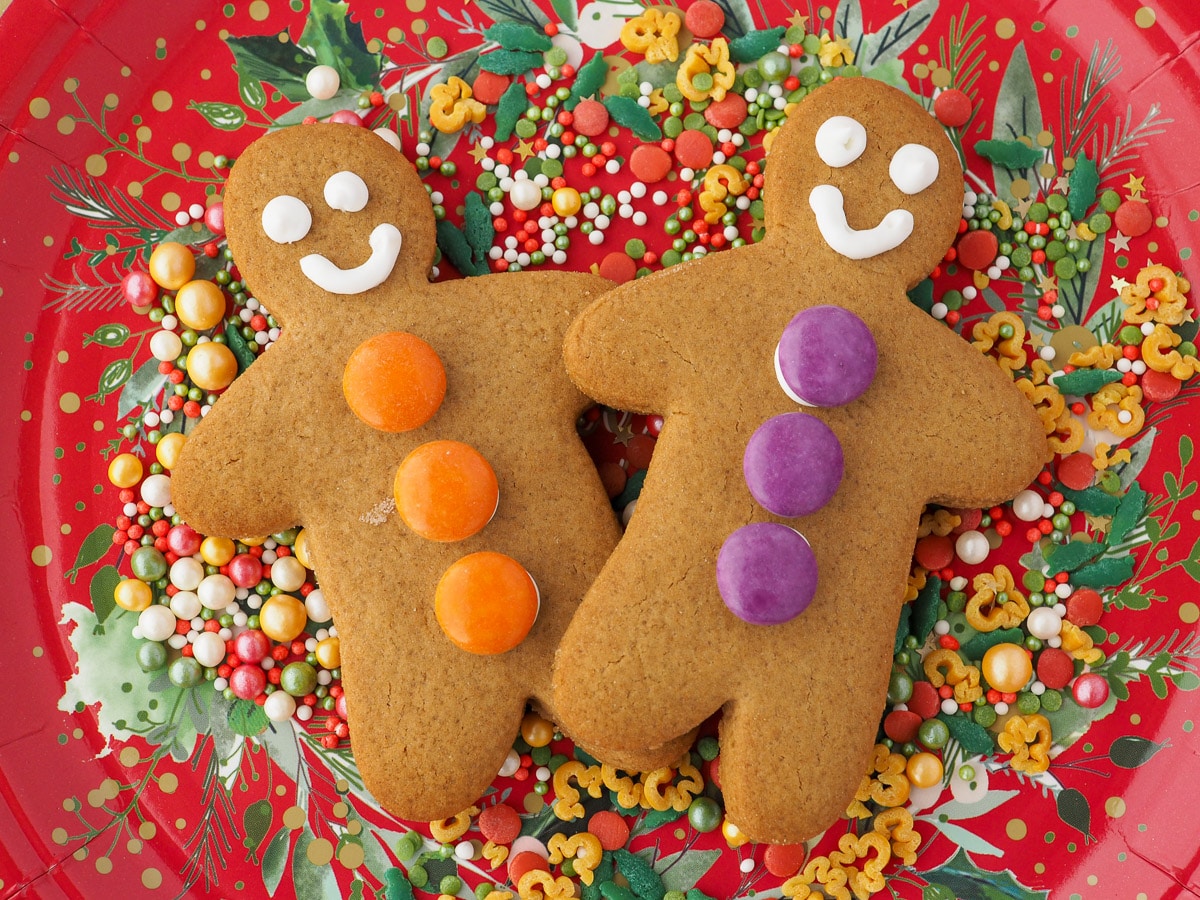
<point>828,205</point>
<point>385,250</point>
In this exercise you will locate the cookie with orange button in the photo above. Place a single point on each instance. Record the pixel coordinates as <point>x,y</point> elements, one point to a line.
<point>810,412</point>
<point>452,539</point>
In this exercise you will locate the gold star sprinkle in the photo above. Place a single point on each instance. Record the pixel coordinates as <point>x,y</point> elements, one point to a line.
<point>478,153</point>
<point>902,3</point>
<point>1098,524</point>
<point>1036,342</point>
<point>1119,284</point>
<point>1022,207</point>
<point>1062,183</point>
<point>1135,186</point>
<point>1119,241</point>
<point>524,149</point>
<point>798,21</point>
<point>1047,283</point>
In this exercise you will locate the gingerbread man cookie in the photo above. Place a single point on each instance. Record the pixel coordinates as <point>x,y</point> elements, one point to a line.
<point>811,411</point>
<point>423,434</point>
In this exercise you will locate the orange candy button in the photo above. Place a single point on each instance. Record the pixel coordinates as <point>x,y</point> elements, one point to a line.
<point>446,491</point>
<point>394,381</point>
<point>486,603</point>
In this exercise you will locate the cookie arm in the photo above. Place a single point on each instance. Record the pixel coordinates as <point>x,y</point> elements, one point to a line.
<point>616,351</point>
<point>990,441</point>
<point>237,473</point>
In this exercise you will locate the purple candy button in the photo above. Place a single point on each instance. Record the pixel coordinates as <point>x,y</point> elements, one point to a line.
<point>826,357</point>
<point>793,464</point>
<point>766,573</point>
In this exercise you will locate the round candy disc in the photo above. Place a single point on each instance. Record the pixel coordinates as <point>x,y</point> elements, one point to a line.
<point>826,357</point>
<point>446,491</point>
<point>766,573</point>
<point>394,381</point>
<point>486,603</point>
<point>793,464</point>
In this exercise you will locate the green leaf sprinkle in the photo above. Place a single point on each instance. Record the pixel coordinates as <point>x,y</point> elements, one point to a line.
<point>636,118</point>
<point>754,44</point>
<point>518,36</point>
<point>453,244</point>
<point>1081,186</point>
<point>925,608</point>
<point>588,80</point>
<point>510,62</point>
<point>1128,514</point>
<point>1082,382</point>
<point>1013,155</point>
<point>982,643</point>
<point>1092,500</point>
<point>972,736</point>
<point>1070,556</point>
<point>1104,573</point>
<point>513,103</point>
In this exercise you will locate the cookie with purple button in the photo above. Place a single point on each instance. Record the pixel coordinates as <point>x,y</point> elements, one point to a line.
<point>810,412</point>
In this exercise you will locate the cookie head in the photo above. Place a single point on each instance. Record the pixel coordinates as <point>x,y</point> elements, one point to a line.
<point>327,211</point>
<point>867,184</point>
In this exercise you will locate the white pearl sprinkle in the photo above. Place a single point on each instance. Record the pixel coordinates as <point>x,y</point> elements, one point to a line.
<point>1001,708</point>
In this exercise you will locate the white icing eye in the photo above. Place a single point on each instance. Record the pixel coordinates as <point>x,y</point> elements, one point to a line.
<point>346,191</point>
<point>913,168</point>
<point>286,219</point>
<point>840,141</point>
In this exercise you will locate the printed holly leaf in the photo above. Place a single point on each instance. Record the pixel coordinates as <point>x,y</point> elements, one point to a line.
<point>518,36</point>
<point>754,44</point>
<point>224,116</point>
<point>1012,155</point>
<point>308,879</point>
<point>636,118</point>
<point>102,589</point>
<point>147,382</point>
<point>247,718</point>
<point>334,40</point>
<point>588,81</point>
<point>93,549</point>
<point>680,871</point>
<point>1018,112</point>
<point>510,62</point>
<point>1074,810</point>
<point>282,65</point>
<point>963,878</point>
<point>567,12</point>
<point>274,860</point>
<point>1132,751</point>
<point>525,11</point>
<point>881,49</point>
<point>256,822</point>
<point>737,18</point>
<point>1082,382</point>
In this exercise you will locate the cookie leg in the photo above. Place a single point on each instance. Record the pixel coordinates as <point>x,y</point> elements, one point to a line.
<point>792,757</point>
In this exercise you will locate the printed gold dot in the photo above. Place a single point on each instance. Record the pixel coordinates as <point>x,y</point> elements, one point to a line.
<point>39,107</point>
<point>1144,17</point>
<point>294,817</point>
<point>320,852</point>
<point>104,865</point>
<point>151,878</point>
<point>96,165</point>
<point>168,783</point>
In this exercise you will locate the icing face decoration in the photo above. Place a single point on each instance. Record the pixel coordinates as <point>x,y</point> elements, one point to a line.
<point>346,191</point>
<point>839,142</point>
<point>286,220</point>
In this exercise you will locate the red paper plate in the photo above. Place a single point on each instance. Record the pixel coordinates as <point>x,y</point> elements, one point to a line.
<point>113,782</point>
